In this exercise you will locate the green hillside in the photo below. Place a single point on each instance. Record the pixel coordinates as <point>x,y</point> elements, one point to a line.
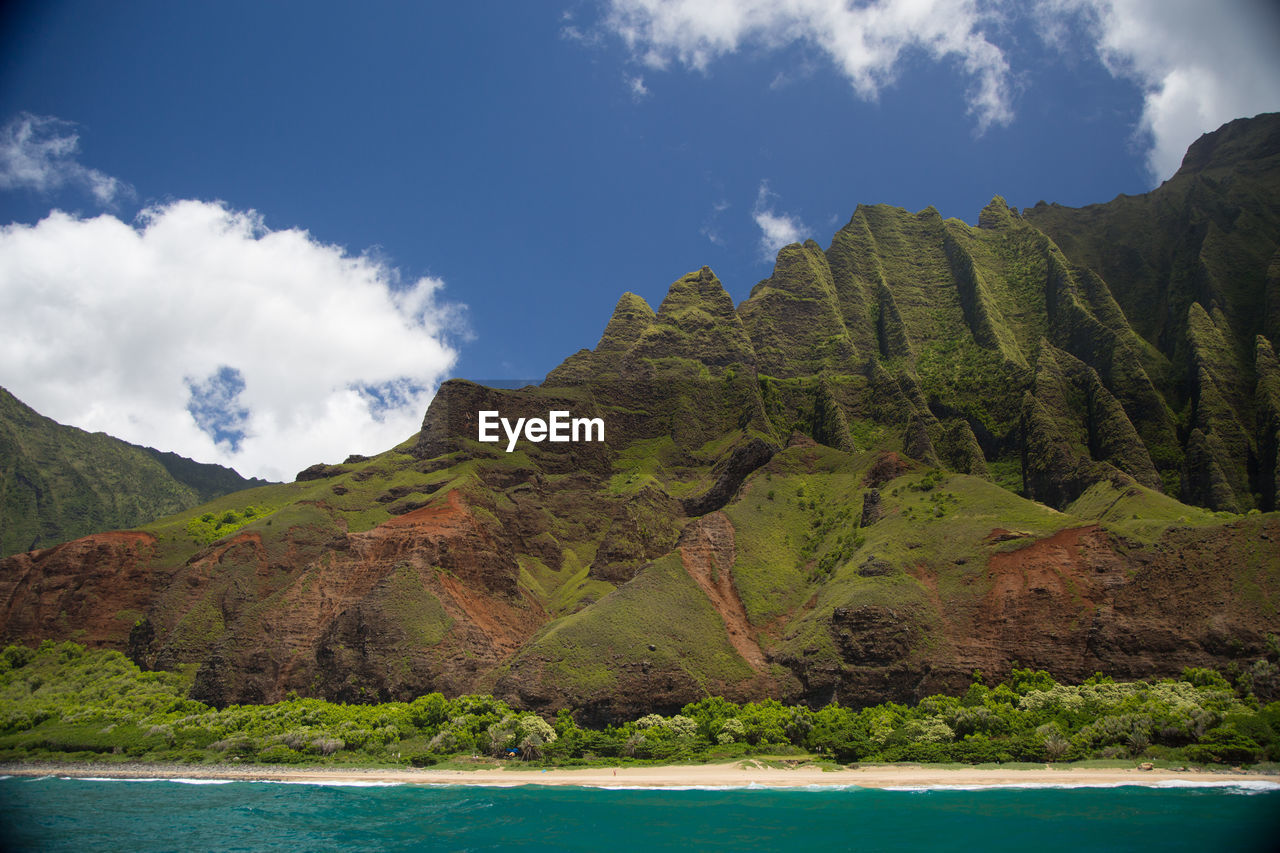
<point>59,482</point>
<point>928,449</point>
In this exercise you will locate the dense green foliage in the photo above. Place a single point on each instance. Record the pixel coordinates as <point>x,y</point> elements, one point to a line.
<point>61,702</point>
<point>210,526</point>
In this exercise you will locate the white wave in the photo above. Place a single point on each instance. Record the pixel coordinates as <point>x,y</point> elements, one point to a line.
<point>182,780</point>
<point>750,786</point>
<point>669,787</point>
<point>329,783</point>
<point>179,780</point>
<point>1243,786</point>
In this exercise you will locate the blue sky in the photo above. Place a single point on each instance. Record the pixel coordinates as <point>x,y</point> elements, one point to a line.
<point>309,214</point>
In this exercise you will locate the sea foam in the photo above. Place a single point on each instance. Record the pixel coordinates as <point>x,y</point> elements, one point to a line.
<point>1231,786</point>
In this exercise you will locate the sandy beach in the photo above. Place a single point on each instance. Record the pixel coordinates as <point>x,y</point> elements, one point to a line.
<point>736,774</point>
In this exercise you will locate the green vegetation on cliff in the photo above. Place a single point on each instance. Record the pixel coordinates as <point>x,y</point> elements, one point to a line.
<point>929,448</point>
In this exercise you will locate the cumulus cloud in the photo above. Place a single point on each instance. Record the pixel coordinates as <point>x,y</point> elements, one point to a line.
<point>776,229</point>
<point>39,153</point>
<point>199,330</point>
<point>866,41</point>
<point>1199,65</point>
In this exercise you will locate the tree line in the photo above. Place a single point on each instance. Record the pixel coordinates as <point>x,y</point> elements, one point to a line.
<point>62,702</point>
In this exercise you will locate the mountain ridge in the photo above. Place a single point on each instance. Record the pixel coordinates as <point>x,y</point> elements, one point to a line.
<point>929,449</point>
<point>60,482</point>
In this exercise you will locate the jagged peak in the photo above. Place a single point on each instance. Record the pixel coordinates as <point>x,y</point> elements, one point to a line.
<point>799,267</point>
<point>866,216</point>
<point>631,317</point>
<point>697,321</point>
<point>629,301</point>
<point>1197,315</point>
<point>793,317</point>
<point>809,246</point>
<point>700,289</point>
<point>996,214</point>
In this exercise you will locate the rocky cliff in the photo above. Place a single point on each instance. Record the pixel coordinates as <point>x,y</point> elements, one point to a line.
<point>1050,439</point>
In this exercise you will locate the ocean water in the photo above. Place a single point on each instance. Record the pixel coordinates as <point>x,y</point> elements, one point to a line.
<point>77,814</point>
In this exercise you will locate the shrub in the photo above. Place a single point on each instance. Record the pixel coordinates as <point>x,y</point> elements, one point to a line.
<point>979,749</point>
<point>1024,681</point>
<point>1262,680</point>
<point>839,732</point>
<point>929,730</point>
<point>976,720</point>
<point>1202,677</point>
<point>239,745</point>
<point>1225,746</point>
<point>280,754</point>
<point>429,712</point>
<point>1055,744</point>
<point>15,657</point>
<point>327,745</point>
<point>731,730</point>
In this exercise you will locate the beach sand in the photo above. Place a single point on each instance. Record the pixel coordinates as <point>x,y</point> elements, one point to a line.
<point>736,774</point>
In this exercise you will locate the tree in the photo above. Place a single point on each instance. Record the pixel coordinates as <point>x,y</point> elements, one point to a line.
<point>731,731</point>
<point>709,713</point>
<point>839,732</point>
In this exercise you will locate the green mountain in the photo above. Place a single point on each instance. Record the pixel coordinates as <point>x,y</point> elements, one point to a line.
<point>1195,268</point>
<point>59,482</point>
<point>931,448</point>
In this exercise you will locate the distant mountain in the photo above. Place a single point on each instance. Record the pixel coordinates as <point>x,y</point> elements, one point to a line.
<point>1049,440</point>
<point>59,483</point>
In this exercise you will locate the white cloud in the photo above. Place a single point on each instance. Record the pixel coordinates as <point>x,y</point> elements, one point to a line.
<point>38,153</point>
<point>711,225</point>
<point>198,330</point>
<point>639,91</point>
<point>776,229</point>
<point>1199,64</point>
<point>866,42</point>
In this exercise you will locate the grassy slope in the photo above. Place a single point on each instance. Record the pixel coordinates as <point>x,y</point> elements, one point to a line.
<point>582,653</point>
<point>59,482</point>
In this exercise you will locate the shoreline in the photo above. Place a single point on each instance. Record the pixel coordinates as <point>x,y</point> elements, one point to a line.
<point>737,774</point>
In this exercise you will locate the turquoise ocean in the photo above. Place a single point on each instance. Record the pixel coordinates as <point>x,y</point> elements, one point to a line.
<point>153,815</point>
